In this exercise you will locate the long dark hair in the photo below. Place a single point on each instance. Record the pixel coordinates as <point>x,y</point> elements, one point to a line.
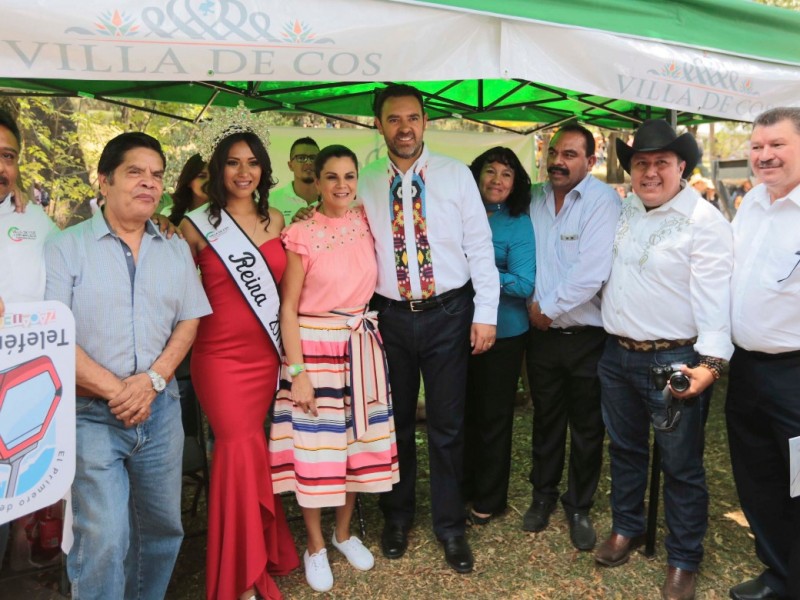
<point>519,199</point>
<point>217,195</point>
<point>183,196</point>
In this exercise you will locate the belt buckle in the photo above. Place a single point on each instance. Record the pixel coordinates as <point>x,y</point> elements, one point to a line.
<point>412,305</point>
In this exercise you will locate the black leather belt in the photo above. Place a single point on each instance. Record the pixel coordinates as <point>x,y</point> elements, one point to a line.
<point>427,303</point>
<point>571,330</point>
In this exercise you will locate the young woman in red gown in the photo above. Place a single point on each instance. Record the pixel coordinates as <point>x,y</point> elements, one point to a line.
<point>234,370</point>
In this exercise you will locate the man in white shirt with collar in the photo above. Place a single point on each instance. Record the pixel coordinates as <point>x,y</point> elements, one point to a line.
<point>666,307</point>
<point>763,404</point>
<point>22,234</point>
<point>574,218</point>
<point>22,237</point>
<point>434,247</point>
<point>301,192</point>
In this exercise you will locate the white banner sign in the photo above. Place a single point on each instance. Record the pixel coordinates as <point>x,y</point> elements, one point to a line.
<point>647,72</point>
<point>37,406</point>
<point>183,40</point>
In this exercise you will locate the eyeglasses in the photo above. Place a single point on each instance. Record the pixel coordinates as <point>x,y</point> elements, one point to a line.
<point>304,158</point>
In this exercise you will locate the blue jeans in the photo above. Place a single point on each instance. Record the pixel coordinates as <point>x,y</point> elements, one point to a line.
<point>126,501</point>
<point>630,405</point>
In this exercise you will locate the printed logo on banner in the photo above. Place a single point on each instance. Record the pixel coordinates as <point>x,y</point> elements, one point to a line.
<point>704,84</point>
<point>37,406</point>
<point>205,19</point>
<point>116,24</point>
<point>224,38</point>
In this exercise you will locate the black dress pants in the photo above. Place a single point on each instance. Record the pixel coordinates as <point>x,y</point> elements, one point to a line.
<point>435,342</point>
<point>491,390</point>
<point>763,412</point>
<point>562,371</point>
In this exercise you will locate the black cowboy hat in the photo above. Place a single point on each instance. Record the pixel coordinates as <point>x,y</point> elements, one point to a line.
<point>656,135</point>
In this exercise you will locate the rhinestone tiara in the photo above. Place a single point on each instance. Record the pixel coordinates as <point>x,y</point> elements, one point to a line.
<point>236,120</point>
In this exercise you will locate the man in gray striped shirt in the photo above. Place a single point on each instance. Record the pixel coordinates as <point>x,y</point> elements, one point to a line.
<point>137,301</point>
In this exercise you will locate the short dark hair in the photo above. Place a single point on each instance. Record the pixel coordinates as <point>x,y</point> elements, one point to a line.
<point>217,195</point>
<point>183,196</point>
<point>588,137</point>
<point>777,114</point>
<point>519,199</point>
<point>303,141</point>
<point>7,121</point>
<point>395,90</point>
<point>333,151</point>
<point>114,152</point>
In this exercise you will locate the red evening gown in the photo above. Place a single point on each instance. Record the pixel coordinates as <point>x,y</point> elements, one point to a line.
<point>234,370</point>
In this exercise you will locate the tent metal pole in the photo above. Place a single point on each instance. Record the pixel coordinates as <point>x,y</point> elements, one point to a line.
<point>655,467</point>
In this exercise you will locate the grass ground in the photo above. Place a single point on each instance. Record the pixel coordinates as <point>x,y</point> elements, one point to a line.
<point>510,563</point>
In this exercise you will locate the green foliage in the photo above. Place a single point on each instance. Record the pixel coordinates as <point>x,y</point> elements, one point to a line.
<point>51,152</point>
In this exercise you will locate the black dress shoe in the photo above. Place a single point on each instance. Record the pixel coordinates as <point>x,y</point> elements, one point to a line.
<point>755,589</point>
<point>581,531</point>
<point>537,516</point>
<point>458,554</point>
<point>394,540</point>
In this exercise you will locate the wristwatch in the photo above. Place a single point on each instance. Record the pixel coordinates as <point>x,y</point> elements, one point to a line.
<point>159,383</point>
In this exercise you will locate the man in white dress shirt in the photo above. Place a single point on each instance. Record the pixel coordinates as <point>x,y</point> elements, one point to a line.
<point>763,405</point>
<point>666,307</point>
<point>437,296</point>
<point>574,219</point>
<point>301,191</point>
<point>22,237</point>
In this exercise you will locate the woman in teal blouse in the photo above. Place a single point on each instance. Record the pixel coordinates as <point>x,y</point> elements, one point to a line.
<point>493,376</point>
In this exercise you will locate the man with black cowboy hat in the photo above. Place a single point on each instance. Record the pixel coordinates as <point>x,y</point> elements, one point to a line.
<point>666,307</point>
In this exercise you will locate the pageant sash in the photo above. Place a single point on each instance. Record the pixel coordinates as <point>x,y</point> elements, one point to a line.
<point>246,266</point>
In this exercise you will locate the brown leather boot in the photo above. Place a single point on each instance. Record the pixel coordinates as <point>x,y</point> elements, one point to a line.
<point>679,584</point>
<point>616,550</point>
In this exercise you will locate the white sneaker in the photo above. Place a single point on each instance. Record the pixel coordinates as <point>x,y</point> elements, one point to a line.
<point>318,571</point>
<point>356,553</point>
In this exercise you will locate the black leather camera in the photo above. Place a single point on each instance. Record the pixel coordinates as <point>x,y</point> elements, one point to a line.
<point>663,374</point>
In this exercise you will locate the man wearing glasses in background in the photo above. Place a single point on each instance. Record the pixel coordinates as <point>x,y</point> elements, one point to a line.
<point>301,192</point>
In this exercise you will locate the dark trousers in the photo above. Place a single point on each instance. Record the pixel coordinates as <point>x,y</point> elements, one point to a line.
<point>492,380</point>
<point>562,371</point>
<point>632,406</point>
<point>763,412</point>
<point>435,342</point>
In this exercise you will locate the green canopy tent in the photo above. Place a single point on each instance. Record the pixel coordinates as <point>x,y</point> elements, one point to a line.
<point>610,63</point>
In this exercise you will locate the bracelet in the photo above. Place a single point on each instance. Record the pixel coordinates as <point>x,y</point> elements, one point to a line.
<point>295,369</point>
<point>715,365</point>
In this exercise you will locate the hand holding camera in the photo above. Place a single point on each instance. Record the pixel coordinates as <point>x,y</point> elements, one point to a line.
<point>670,375</point>
<point>680,383</point>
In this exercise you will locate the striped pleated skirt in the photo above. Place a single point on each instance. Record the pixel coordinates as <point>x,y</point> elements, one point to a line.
<point>321,458</point>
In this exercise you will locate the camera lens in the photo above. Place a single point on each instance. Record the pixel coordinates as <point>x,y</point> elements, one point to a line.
<point>679,382</point>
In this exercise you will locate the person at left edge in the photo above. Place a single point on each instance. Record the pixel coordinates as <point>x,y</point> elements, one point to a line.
<point>22,276</point>
<point>136,300</point>
<point>492,376</point>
